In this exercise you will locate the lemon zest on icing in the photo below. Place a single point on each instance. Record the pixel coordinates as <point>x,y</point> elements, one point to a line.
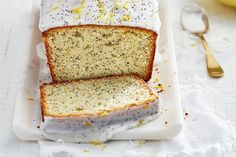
<point>102,11</point>
<point>87,124</point>
<point>103,113</point>
<point>78,10</point>
<point>126,18</point>
<point>53,9</point>
<point>110,18</point>
<point>123,4</point>
<point>145,107</point>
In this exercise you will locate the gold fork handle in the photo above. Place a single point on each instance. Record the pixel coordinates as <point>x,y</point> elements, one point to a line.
<point>213,67</point>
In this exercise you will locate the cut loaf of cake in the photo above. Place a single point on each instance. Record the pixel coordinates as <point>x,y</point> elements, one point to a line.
<point>100,53</point>
<point>91,51</point>
<point>87,108</point>
<point>99,38</point>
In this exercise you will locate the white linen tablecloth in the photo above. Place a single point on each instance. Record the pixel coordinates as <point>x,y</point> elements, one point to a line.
<point>210,104</point>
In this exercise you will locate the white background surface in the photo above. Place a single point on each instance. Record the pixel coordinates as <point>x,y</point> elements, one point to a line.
<point>15,26</point>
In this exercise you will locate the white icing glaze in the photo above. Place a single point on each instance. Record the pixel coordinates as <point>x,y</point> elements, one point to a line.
<point>135,13</point>
<point>99,129</point>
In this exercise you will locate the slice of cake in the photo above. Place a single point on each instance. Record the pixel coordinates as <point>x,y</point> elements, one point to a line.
<point>91,51</point>
<point>99,38</point>
<point>95,109</point>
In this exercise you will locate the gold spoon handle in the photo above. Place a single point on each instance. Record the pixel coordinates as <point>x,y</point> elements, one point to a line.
<point>213,67</point>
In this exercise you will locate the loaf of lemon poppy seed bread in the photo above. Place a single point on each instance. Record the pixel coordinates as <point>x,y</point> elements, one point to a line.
<point>96,109</point>
<point>99,38</point>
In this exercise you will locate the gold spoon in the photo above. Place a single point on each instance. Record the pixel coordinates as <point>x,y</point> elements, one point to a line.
<point>194,20</point>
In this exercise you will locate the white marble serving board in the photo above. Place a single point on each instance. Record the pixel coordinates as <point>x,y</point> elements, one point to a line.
<point>167,126</point>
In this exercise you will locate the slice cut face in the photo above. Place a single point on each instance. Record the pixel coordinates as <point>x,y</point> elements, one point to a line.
<point>94,97</point>
<point>92,51</point>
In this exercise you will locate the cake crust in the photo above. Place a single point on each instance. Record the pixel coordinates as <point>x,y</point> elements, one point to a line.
<point>101,113</point>
<point>148,72</point>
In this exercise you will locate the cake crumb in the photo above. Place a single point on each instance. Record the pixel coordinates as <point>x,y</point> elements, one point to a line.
<point>96,143</point>
<point>145,107</point>
<point>159,87</point>
<point>104,113</point>
<point>141,142</point>
<point>86,151</point>
<point>193,45</point>
<point>30,99</point>
<point>141,122</point>
<point>157,79</point>
<point>87,124</point>
<point>103,147</point>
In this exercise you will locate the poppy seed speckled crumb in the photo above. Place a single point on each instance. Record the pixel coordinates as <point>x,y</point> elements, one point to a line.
<point>94,96</point>
<point>91,51</point>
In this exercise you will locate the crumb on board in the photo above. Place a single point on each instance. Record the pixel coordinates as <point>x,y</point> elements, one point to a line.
<point>87,124</point>
<point>30,98</point>
<point>103,113</point>
<point>145,107</point>
<point>157,79</point>
<point>141,142</point>
<point>193,45</point>
<point>98,143</point>
<point>159,87</point>
<point>166,122</point>
<point>186,114</point>
<point>103,147</point>
<point>160,91</point>
<point>141,122</point>
<point>86,151</point>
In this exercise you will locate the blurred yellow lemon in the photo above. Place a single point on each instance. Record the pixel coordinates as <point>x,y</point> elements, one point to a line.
<point>231,3</point>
